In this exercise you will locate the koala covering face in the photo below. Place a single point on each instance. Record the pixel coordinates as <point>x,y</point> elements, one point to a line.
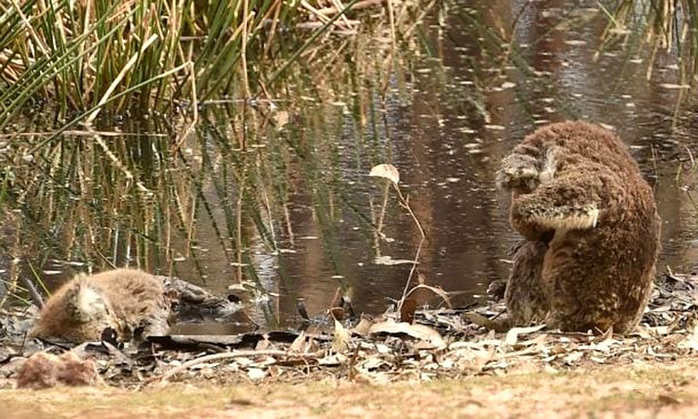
<point>591,230</point>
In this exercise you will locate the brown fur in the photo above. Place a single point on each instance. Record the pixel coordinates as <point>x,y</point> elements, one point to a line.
<point>43,370</point>
<point>592,228</point>
<point>130,301</point>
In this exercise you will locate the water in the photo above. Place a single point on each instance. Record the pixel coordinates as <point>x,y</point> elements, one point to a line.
<point>309,211</point>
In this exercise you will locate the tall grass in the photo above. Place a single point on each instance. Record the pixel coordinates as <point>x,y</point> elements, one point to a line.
<point>165,198</point>
<point>90,55</point>
<point>658,26</point>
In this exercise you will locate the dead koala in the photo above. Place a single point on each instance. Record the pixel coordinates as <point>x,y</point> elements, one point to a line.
<point>129,301</point>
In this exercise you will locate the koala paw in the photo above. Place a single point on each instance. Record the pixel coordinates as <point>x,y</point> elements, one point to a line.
<point>518,172</point>
<point>566,217</point>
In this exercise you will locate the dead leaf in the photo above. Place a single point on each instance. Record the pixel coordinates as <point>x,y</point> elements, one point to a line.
<point>480,320</point>
<point>557,350</point>
<point>430,335</point>
<point>337,313</point>
<point>256,374</point>
<point>666,400</point>
<point>281,118</point>
<point>263,344</point>
<point>373,362</point>
<point>299,344</point>
<point>340,338</point>
<point>420,298</point>
<point>407,310</point>
<point>514,332</point>
<point>389,261</point>
<point>691,341</point>
<point>337,300</point>
<point>573,357</point>
<point>332,360</point>
<point>386,171</point>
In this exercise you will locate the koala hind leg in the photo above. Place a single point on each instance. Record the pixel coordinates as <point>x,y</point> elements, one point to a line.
<point>524,296</point>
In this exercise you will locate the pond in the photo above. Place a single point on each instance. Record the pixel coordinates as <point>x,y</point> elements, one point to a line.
<point>276,193</point>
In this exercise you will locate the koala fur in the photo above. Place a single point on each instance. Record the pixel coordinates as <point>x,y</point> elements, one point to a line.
<point>591,227</point>
<point>131,302</point>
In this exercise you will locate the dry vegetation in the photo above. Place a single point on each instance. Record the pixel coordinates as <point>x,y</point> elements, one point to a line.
<point>652,389</point>
<point>440,364</point>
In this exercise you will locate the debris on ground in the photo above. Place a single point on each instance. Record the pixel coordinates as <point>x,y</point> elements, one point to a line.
<point>437,343</point>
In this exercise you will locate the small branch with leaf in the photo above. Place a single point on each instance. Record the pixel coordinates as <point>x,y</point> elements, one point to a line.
<point>391,174</point>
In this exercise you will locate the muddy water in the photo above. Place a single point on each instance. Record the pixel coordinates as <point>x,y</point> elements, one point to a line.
<point>445,126</point>
<point>466,109</point>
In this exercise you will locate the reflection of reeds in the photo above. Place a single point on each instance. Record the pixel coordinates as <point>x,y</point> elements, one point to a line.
<point>662,25</point>
<point>82,195</point>
<point>144,196</point>
<point>94,54</point>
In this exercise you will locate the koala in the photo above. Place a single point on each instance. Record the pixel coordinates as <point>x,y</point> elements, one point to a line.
<point>591,230</point>
<point>131,302</point>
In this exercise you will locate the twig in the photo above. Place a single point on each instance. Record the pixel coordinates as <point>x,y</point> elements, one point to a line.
<point>406,205</point>
<point>82,134</point>
<point>356,6</point>
<point>226,355</point>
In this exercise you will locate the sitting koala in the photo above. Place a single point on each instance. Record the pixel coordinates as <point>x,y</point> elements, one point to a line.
<point>591,228</point>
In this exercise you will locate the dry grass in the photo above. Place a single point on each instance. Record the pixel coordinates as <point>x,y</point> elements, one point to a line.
<point>637,390</point>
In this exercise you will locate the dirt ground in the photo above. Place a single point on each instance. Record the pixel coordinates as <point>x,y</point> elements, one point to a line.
<point>440,364</point>
<point>637,390</point>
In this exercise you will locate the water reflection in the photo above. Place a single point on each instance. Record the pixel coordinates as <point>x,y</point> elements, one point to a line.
<point>295,214</point>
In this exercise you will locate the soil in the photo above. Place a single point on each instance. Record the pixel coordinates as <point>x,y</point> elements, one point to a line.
<point>635,390</point>
<point>428,363</point>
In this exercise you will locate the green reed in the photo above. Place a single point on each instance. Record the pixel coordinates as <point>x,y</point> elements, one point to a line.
<point>101,54</point>
<point>660,26</point>
<point>155,191</point>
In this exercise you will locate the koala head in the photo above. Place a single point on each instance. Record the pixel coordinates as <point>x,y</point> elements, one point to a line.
<point>522,173</point>
<point>519,173</point>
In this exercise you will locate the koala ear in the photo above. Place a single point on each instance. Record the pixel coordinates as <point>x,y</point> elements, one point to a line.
<point>500,180</point>
<point>87,303</point>
<point>549,166</point>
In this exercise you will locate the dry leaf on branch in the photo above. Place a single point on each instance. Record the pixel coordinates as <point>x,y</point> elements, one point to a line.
<point>386,171</point>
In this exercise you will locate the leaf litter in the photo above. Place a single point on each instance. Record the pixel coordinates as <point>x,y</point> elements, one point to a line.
<point>411,344</point>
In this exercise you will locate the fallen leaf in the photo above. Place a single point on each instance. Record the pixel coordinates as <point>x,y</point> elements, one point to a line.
<point>340,338</point>
<point>691,341</point>
<point>514,332</point>
<point>281,119</point>
<point>389,261</point>
<point>673,86</point>
<point>363,328</point>
<point>299,344</point>
<point>417,331</point>
<point>332,360</point>
<point>420,298</point>
<point>407,309</point>
<point>573,357</point>
<point>470,360</point>
<point>665,399</point>
<point>256,374</point>
<point>386,171</point>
